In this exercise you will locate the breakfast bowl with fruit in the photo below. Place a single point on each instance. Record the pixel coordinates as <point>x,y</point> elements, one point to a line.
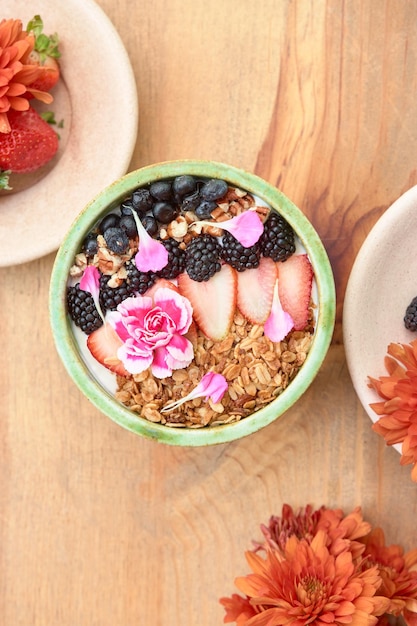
<point>192,302</point>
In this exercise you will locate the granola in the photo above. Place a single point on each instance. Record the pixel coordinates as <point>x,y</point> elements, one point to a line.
<point>256,369</point>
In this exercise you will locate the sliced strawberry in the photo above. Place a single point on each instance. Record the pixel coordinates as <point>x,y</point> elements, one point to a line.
<point>103,344</point>
<point>161,282</point>
<point>29,145</point>
<point>213,301</point>
<point>295,279</point>
<point>255,291</point>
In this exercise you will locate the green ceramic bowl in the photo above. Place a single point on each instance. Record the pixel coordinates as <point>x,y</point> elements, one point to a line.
<point>67,347</point>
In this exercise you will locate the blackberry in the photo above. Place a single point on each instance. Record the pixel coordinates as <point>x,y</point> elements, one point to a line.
<point>139,282</point>
<point>82,310</point>
<point>238,256</point>
<point>176,259</point>
<point>202,257</point>
<point>410,317</point>
<point>277,239</point>
<point>110,297</point>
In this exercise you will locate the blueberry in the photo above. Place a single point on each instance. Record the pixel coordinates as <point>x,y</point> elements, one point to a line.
<point>126,207</point>
<point>161,190</point>
<point>213,189</point>
<point>163,212</point>
<point>142,200</point>
<point>128,224</point>
<point>150,225</point>
<point>204,209</point>
<point>90,246</point>
<point>116,239</point>
<point>191,201</point>
<point>183,185</point>
<point>110,221</point>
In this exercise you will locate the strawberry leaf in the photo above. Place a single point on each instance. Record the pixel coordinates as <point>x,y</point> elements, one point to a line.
<point>45,45</point>
<point>4,180</point>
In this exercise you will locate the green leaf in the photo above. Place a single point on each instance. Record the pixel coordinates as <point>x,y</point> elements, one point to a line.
<point>48,116</point>
<point>47,46</point>
<point>4,180</point>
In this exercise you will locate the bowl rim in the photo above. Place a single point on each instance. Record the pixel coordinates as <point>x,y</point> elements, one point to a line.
<point>65,343</point>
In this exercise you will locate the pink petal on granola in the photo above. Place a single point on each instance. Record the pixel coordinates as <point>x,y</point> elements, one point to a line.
<point>279,322</point>
<point>246,227</point>
<point>152,255</point>
<point>212,386</point>
<point>90,281</point>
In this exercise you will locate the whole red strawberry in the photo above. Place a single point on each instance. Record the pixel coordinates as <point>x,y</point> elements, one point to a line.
<point>30,144</point>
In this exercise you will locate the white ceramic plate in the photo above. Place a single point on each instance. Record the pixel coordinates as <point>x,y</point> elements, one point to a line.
<point>97,101</point>
<point>382,283</point>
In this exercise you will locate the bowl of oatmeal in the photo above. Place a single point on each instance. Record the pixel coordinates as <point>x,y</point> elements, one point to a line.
<point>192,302</point>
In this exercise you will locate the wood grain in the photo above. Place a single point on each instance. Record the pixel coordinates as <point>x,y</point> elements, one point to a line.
<point>99,527</point>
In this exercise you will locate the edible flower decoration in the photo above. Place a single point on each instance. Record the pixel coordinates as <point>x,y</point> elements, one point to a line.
<point>246,227</point>
<point>152,255</point>
<point>153,331</point>
<point>324,567</point>
<point>90,281</point>
<point>397,411</point>
<point>17,73</point>
<point>212,386</point>
<point>279,322</point>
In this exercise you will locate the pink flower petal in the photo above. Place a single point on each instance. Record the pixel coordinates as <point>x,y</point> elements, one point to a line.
<point>246,227</point>
<point>279,322</point>
<point>180,352</point>
<point>152,255</point>
<point>212,386</point>
<point>159,367</point>
<point>133,362</point>
<point>90,281</point>
<point>176,306</point>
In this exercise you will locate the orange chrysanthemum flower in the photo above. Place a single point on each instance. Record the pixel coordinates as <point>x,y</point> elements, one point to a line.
<point>16,74</point>
<point>342,531</point>
<point>399,580</point>
<point>398,410</point>
<point>307,585</point>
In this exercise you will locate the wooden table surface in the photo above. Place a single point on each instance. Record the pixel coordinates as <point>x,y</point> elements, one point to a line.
<point>99,527</point>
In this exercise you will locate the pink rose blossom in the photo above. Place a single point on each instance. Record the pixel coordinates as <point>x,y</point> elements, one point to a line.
<point>152,331</point>
<point>279,322</point>
<point>212,386</point>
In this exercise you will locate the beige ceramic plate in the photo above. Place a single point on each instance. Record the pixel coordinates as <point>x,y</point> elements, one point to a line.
<point>97,101</point>
<point>382,283</point>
